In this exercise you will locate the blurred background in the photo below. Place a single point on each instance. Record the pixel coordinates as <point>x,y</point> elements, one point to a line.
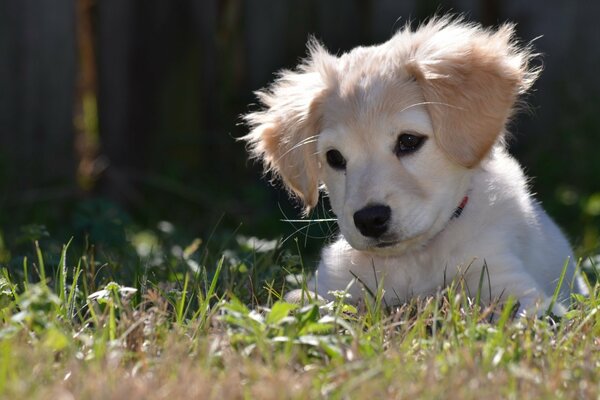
<point>118,116</point>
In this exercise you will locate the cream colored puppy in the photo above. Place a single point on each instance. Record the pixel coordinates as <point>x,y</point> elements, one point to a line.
<point>406,138</point>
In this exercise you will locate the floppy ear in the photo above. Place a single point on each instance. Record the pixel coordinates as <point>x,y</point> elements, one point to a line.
<point>471,79</point>
<point>284,134</point>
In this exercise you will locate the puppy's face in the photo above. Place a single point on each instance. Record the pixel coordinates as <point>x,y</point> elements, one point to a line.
<point>390,184</point>
<point>392,131</point>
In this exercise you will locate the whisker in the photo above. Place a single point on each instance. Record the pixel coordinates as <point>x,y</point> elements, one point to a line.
<point>303,142</point>
<point>308,139</point>
<point>305,228</point>
<point>296,231</point>
<point>326,225</point>
<point>437,103</point>
<point>308,221</point>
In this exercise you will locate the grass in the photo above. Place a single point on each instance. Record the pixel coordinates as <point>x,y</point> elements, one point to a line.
<point>189,322</point>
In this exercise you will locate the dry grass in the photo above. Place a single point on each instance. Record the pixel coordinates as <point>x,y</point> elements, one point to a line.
<point>199,342</point>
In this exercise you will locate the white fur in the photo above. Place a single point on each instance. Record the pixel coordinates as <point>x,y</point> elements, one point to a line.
<point>501,225</point>
<point>455,84</point>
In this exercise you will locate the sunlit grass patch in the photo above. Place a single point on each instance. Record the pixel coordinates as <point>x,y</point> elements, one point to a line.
<point>219,329</point>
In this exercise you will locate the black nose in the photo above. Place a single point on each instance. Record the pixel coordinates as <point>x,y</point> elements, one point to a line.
<point>372,221</point>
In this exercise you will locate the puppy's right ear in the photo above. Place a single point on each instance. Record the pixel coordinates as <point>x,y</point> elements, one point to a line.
<point>284,134</point>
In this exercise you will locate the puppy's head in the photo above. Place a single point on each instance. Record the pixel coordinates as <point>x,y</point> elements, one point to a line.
<point>393,131</point>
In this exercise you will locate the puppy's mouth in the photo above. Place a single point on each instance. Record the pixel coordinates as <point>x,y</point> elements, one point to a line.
<point>394,244</point>
<point>383,245</point>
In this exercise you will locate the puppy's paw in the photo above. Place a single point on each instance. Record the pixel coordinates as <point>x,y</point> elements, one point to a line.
<point>302,296</point>
<point>536,307</point>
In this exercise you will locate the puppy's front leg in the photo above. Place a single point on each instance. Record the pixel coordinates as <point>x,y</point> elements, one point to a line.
<point>306,294</point>
<point>538,306</point>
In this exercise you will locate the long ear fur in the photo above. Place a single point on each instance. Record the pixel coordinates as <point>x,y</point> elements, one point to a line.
<point>471,79</point>
<point>283,135</point>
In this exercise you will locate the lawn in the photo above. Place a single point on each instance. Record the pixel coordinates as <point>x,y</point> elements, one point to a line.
<point>173,319</point>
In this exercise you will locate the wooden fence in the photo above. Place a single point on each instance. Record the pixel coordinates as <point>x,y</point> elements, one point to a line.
<point>168,79</point>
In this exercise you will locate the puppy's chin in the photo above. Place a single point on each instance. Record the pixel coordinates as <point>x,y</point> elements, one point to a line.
<point>389,246</point>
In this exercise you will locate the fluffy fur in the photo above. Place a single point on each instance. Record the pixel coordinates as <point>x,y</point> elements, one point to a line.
<point>455,85</point>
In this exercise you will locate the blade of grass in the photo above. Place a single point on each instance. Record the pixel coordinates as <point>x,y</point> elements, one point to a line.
<point>477,305</point>
<point>182,301</point>
<point>25,275</point>
<point>62,275</point>
<point>204,308</point>
<point>558,286</point>
<point>42,269</point>
<point>71,297</point>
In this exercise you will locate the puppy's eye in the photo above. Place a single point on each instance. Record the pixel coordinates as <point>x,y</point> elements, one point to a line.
<point>408,143</point>
<point>335,159</point>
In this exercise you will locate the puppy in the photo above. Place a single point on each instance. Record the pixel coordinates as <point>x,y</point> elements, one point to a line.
<point>407,140</point>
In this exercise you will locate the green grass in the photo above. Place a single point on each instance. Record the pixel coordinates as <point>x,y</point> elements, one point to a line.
<point>185,321</point>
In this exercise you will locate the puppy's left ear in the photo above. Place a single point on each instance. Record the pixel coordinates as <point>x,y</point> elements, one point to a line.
<point>471,79</point>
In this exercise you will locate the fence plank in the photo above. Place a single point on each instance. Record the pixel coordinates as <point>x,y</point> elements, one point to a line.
<point>37,79</point>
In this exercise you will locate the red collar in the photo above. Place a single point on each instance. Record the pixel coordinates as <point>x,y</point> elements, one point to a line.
<point>460,207</point>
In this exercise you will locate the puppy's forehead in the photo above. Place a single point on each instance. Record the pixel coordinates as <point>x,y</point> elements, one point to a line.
<point>364,102</point>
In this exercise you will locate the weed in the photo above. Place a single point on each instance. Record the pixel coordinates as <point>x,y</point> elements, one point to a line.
<point>188,324</point>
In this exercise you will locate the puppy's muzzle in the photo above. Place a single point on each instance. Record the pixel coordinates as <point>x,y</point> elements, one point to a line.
<point>373,220</point>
